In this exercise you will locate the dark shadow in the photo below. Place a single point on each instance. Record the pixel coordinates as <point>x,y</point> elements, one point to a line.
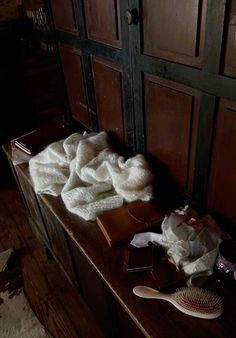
<point>168,194</point>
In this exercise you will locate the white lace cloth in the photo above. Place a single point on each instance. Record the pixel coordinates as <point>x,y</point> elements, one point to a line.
<point>193,244</point>
<point>90,177</point>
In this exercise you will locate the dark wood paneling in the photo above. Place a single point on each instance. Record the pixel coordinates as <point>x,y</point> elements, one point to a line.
<point>74,78</point>
<point>95,293</point>
<point>171,117</point>
<point>103,21</point>
<point>63,15</point>
<point>109,96</point>
<point>34,213</point>
<point>222,184</point>
<point>210,83</point>
<point>214,35</point>
<point>174,30</point>
<point>230,58</point>
<point>204,146</point>
<point>54,301</point>
<point>127,326</point>
<point>58,241</point>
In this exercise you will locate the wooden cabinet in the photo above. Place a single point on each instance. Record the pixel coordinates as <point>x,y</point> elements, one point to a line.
<point>96,269</point>
<point>95,293</point>
<point>174,30</point>
<point>74,78</point>
<point>32,207</point>
<point>108,84</point>
<point>171,119</point>
<point>230,55</point>
<point>159,76</point>
<point>58,241</point>
<point>103,21</point>
<point>222,183</point>
<point>63,15</point>
<point>151,73</point>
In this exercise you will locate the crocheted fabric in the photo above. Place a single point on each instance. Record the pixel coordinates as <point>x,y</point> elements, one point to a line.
<point>90,177</point>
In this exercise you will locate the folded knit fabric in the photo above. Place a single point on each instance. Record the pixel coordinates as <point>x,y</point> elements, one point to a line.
<point>90,177</point>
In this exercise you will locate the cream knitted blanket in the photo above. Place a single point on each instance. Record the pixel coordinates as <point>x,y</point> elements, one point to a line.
<point>90,177</point>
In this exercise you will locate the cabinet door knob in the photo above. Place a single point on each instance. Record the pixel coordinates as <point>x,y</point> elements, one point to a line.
<point>131,16</point>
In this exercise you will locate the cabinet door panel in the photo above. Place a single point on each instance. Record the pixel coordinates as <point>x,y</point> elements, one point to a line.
<point>74,78</point>
<point>32,208</point>
<point>95,293</point>
<point>171,116</point>
<point>102,21</point>
<point>109,96</point>
<point>63,15</point>
<point>58,241</point>
<point>230,58</point>
<point>222,185</point>
<point>174,29</point>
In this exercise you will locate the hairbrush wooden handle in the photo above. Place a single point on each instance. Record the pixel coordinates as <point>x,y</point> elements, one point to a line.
<point>196,302</point>
<point>147,292</point>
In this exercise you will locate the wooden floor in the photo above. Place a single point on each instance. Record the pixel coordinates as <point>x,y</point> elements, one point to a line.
<point>55,302</point>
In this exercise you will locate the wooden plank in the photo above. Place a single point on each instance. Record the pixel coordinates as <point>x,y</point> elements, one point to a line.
<point>63,313</point>
<point>108,86</point>
<point>205,131</point>
<point>230,50</point>
<point>64,16</point>
<point>214,35</point>
<point>72,303</point>
<point>222,183</point>
<point>103,21</point>
<point>169,108</point>
<point>165,40</point>
<point>71,59</point>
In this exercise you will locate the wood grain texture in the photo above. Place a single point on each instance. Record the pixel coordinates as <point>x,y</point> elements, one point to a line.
<point>103,21</point>
<point>204,148</point>
<point>75,82</point>
<point>128,327</point>
<point>174,30</point>
<point>64,16</point>
<point>108,86</point>
<point>222,179</point>
<point>152,317</point>
<point>230,56</point>
<point>58,241</point>
<point>171,116</point>
<point>54,301</point>
<point>95,293</point>
<point>35,217</point>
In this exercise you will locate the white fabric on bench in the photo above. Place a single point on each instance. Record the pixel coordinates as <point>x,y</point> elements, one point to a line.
<point>90,177</point>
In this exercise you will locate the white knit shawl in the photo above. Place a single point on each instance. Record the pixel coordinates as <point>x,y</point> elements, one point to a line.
<point>90,177</point>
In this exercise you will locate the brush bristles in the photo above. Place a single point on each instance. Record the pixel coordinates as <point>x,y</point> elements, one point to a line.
<point>198,300</point>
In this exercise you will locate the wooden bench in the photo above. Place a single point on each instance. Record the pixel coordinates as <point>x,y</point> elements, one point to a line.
<point>96,270</point>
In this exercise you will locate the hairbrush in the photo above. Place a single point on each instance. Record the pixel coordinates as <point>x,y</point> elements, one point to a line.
<point>193,301</point>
